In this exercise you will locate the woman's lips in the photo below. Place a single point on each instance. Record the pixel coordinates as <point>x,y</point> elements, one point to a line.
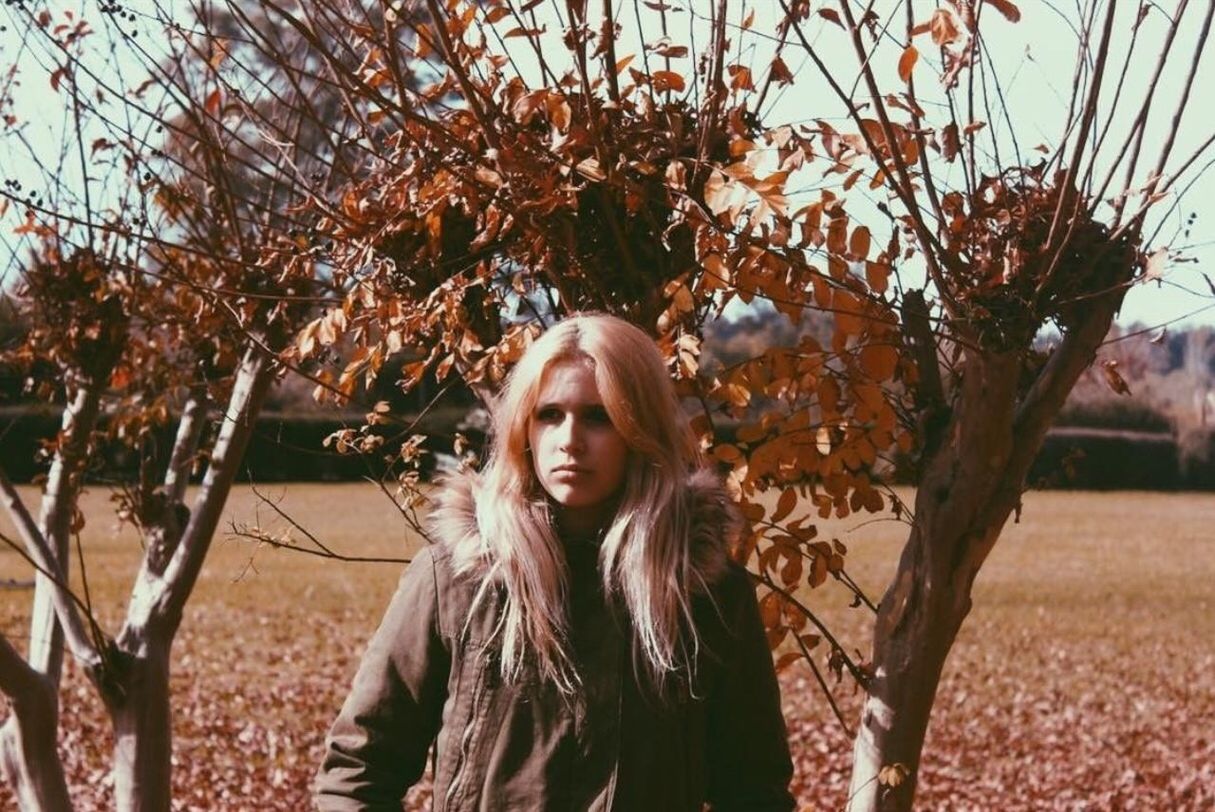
<point>570,470</point>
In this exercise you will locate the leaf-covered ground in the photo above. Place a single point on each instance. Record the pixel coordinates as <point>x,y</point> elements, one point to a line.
<point>1083,680</point>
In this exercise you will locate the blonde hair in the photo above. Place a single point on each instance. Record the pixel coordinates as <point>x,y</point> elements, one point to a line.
<point>645,558</point>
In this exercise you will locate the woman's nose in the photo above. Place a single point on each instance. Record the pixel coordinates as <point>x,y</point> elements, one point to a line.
<point>571,435</point>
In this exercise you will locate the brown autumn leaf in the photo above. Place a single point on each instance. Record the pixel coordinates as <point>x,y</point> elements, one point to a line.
<point>769,609</point>
<point>943,27</point>
<point>1113,378</point>
<point>591,168</point>
<point>892,775</point>
<point>740,77</point>
<point>837,235</point>
<point>668,80</point>
<point>849,319</point>
<point>752,511</point>
<point>671,51</point>
<point>907,62</point>
<point>523,31</point>
<point>879,361</point>
<point>903,101</point>
<point>790,574</point>
<point>949,142</point>
<point>781,72</point>
<point>787,659</point>
<point>818,571</point>
<point>1008,9</point>
<point>832,15</point>
<point>877,275</point>
<point>785,504</point>
<point>859,242</point>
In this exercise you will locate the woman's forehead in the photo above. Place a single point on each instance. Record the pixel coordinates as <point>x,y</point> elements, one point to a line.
<point>571,379</point>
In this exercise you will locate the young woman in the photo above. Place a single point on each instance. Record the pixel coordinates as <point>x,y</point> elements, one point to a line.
<point>576,637</point>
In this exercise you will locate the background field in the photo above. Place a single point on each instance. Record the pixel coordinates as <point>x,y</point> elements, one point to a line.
<point>1084,678</point>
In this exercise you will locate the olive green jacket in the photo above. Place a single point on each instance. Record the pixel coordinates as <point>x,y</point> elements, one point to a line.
<point>430,678</point>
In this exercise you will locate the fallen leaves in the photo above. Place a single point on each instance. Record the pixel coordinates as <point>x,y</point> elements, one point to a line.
<point>1071,687</point>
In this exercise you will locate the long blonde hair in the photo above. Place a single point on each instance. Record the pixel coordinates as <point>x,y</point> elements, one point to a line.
<point>645,557</point>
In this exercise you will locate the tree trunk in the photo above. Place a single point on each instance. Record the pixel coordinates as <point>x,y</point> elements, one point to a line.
<point>972,481</point>
<point>961,506</point>
<point>137,693</point>
<point>58,506</point>
<point>919,620</point>
<point>163,587</point>
<point>28,739</point>
<point>140,713</point>
<point>29,759</point>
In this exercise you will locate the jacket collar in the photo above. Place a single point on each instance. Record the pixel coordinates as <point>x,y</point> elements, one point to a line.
<point>716,524</point>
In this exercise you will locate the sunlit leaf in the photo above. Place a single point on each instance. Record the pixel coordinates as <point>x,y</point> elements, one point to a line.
<point>1007,8</point>
<point>859,242</point>
<point>944,27</point>
<point>907,62</point>
<point>668,80</point>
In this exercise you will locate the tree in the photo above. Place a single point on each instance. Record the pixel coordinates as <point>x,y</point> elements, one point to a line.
<point>560,163</point>
<point>661,194</point>
<point>162,302</point>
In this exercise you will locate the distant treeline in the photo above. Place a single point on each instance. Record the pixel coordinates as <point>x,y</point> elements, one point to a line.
<point>290,447</point>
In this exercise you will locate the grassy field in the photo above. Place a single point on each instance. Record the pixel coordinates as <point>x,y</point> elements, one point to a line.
<point>1083,679</point>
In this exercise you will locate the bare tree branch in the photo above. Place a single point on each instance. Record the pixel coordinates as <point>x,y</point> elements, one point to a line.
<point>50,579</point>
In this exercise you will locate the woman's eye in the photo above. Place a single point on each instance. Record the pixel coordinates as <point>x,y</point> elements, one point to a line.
<point>548,415</point>
<point>598,415</point>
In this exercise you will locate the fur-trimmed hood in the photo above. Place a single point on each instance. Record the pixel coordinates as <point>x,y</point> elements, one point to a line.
<point>716,524</point>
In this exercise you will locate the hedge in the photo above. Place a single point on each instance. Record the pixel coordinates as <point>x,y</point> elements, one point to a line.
<point>289,447</point>
<point>283,448</point>
<point>1107,459</point>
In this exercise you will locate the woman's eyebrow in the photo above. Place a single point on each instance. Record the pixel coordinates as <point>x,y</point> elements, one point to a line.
<point>569,404</point>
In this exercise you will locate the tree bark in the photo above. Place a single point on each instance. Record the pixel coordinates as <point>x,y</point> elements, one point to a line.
<point>972,481</point>
<point>140,712</point>
<point>29,760</point>
<point>28,752</point>
<point>160,593</point>
<point>924,607</point>
<point>39,550</point>
<point>138,693</point>
<point>55,521</point>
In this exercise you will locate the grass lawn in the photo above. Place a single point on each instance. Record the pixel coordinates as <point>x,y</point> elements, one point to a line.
<point>1083,679</point>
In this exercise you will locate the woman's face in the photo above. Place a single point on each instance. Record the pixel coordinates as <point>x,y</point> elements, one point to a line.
<point>578,455</point>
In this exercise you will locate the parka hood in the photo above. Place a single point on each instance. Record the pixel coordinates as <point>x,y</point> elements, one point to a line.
<point>715,524</point>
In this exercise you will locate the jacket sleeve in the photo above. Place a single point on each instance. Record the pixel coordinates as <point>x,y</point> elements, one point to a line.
<point>377,747</point>
<point>749,767</point>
